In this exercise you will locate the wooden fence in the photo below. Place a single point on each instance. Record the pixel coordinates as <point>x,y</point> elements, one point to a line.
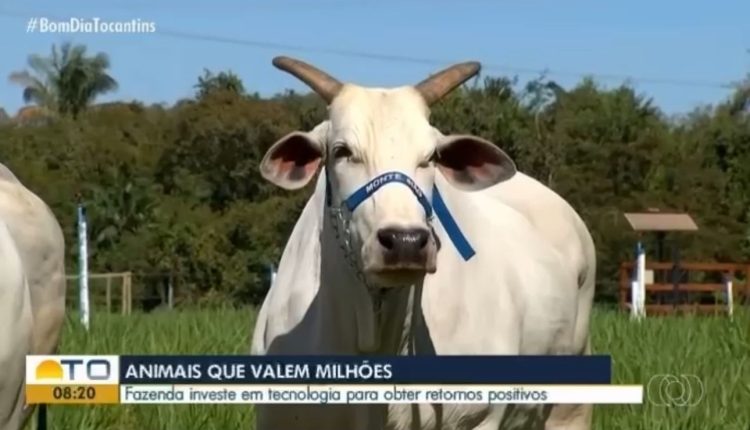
<point>684,295</point>
<point>124,290</point>
<point>120,291</point>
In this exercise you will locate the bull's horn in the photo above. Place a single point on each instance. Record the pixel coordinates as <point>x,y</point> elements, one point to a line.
<point>321,82</point>
<point>438,85</point>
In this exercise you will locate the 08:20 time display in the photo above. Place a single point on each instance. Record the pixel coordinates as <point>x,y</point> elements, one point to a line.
<point>79,392</point>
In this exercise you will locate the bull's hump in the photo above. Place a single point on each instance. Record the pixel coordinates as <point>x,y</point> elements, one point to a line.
<point>7,175</point>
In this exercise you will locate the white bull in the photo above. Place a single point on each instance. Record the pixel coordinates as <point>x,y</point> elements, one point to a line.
<point>343,281</point>
<point>31,234</point>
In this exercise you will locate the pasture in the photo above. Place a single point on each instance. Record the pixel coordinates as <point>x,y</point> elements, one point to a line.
<point>714,348</point>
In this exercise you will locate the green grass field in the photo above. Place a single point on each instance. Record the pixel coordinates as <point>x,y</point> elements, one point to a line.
<point>714,348</point>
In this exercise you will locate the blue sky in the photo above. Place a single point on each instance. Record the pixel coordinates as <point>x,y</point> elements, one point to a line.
<point>704,43</point>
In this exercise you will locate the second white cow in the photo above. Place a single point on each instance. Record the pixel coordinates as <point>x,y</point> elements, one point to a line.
<point>37,239</point>
<point>16,325</point>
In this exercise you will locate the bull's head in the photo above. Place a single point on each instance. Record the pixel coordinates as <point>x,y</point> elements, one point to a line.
<point>374,131</point>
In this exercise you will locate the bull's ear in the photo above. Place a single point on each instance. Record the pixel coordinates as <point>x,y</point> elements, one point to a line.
<point>472,163</point>
<point>293,160</point>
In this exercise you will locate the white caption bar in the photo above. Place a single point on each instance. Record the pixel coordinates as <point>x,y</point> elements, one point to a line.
<point>353,394</point>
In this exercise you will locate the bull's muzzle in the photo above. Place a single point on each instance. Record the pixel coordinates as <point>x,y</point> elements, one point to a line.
<point>396,255</point>
<point>404,248</point>
<point>400,256</point>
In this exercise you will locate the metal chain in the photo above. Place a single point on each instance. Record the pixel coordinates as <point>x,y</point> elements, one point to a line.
<point>345,241</point>
<point>339,222</point>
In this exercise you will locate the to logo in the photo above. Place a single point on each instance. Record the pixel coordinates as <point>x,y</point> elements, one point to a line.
<point>675,390</point>
<point>93,369</point>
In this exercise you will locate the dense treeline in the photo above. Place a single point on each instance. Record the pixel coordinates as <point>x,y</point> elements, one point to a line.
<point>178,189</point>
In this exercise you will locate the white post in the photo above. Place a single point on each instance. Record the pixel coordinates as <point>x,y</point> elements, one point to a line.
<point>641,280</point>
<point>634,300</point>
<point>638,284</point>
<point>730,296</point>
<point>170,291</point>
<point>273,274</point>
<point>83,271</point>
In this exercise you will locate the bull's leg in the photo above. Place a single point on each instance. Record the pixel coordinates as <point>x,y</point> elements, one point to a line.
<point>518,416</point>
<point>571,417</point>
<point>315,417</point>
<point>578,417</point>
<point>496,418</point>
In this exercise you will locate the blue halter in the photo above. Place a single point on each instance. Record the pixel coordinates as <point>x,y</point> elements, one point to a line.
<point>437,206</point>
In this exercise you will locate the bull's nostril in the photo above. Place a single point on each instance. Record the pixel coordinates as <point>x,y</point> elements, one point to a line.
<point>408,241</point>
<point>387,238</point>
<point>416,238</point>
<point>423,237</point>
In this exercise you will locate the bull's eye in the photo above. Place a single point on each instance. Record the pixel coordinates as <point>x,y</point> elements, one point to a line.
<point>341,151</point>
<point>429,160</point>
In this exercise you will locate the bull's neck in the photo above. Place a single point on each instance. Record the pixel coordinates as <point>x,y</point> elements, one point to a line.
<point>379,315</point>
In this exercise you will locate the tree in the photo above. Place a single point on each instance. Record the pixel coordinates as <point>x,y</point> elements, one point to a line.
<point>67,81</point>
<point>177,189</point>
<point>224,81</point>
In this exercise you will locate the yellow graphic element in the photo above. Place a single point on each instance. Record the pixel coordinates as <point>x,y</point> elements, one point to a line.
<point>49,369</point>
<point>72,394</point>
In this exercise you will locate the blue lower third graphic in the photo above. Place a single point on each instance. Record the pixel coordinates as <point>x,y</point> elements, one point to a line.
<point>234,369</point>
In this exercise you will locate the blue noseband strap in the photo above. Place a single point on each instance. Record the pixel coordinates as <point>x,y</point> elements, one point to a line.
<point>440,209</point>
<point>369,189</point>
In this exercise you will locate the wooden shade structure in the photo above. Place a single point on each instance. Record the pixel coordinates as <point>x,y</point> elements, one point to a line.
<point>661,221</point>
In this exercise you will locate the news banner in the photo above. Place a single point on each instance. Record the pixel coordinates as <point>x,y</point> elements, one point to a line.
<point>234,379</point>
